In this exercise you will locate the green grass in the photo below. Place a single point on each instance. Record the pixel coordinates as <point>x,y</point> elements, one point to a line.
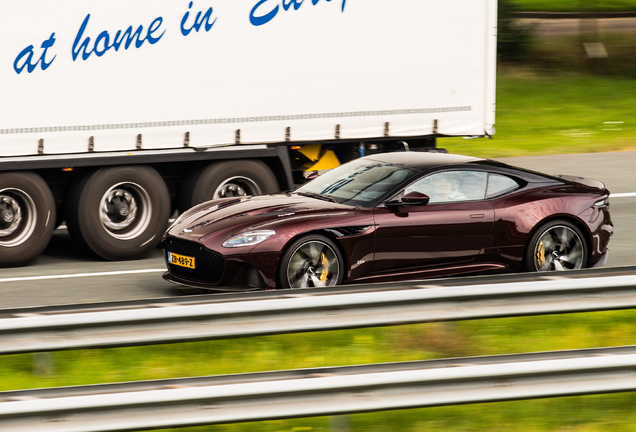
<point>575,5</point>
<point>556,114</point>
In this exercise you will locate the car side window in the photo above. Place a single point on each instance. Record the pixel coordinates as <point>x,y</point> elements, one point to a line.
<point>452,186</point>
<point>499,184</point>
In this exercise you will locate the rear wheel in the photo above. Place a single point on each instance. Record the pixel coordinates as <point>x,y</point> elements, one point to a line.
<point>227,179</point>
<point>27,217</point>
<point>556,246</point>
<point>119,213</point>
<point>311,261</point>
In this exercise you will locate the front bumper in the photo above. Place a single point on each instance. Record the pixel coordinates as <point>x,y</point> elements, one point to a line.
<point>215,271</point>
<point>193,284</point>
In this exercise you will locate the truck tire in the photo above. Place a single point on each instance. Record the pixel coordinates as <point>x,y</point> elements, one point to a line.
<point>119,213</point>
<point>227,179</point>
<point>27,217</point>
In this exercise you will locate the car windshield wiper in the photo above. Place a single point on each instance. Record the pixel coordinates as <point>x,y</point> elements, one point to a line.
<point>318,196</point>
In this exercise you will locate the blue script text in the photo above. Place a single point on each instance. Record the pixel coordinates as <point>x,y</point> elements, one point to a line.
<point>103,42</point>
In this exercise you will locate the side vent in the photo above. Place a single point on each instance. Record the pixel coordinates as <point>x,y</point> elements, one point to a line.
<point>348,231</point>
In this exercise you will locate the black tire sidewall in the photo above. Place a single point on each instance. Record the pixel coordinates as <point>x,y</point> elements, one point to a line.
<point>292,247</point>
<point>200,186</point>
<point>85,224</point>
<point>528,259</point>
<point>35,187</point>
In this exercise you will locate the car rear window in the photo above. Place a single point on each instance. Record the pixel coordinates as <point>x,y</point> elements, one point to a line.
<point>500,185</point>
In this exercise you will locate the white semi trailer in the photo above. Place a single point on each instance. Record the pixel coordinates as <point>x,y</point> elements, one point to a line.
<point>114,114</point>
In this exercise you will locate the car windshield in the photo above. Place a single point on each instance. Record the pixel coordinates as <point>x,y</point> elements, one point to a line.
<point>358,183</point>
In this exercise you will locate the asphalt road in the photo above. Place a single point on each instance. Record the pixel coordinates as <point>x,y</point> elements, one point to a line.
<point>63,275</point>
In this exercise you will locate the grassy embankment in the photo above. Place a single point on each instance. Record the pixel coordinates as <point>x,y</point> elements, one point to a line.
<point>557,114</point>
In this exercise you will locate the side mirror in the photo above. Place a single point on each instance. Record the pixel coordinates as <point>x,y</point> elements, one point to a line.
<point>415,198</point>
<point>410,199</point>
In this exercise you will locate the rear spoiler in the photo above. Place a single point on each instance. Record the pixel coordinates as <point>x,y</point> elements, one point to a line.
<point>583,181</point>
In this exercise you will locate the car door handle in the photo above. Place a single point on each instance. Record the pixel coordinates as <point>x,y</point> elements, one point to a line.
<point>477,216</point>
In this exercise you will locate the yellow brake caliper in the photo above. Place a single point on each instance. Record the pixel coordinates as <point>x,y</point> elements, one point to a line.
<point>324,263</point>
<point>541,254</point>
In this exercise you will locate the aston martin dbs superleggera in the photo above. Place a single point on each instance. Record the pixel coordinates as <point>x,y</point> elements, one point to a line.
<point>390,217</point>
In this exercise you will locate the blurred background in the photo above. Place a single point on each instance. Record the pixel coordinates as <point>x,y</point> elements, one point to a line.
<point>565,79</point>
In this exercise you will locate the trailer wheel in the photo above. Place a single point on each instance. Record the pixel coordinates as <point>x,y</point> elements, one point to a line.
<point>227,179</point>
<point>119,213</point>
<point>27,217</point>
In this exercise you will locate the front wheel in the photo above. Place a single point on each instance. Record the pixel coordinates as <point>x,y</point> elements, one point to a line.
<point>312,261</point>
<point>556,246</point>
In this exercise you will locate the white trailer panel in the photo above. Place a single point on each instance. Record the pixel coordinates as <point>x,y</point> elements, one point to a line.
<point>258,66</point>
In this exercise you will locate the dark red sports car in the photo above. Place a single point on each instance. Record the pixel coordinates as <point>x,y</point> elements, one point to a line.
<point>390,217</point>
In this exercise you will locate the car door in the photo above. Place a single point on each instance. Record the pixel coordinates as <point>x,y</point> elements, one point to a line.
<point>451,229</point>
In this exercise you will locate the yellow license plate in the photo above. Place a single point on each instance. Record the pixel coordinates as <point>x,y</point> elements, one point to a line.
<point>180,260</point>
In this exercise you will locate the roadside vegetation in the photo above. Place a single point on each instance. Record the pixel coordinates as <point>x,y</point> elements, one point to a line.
<point>545,105</point>
<point>576,5</point>
<point>551,97</point>
<point>541,113</point>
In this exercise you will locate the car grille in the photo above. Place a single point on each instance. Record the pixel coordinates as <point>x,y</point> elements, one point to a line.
<point>209,265</point>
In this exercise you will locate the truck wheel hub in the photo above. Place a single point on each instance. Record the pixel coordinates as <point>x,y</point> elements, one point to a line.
<point>7,216</point>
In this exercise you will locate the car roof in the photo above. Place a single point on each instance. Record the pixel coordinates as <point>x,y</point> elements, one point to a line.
<point>422,160</point>
<point>429,161</point>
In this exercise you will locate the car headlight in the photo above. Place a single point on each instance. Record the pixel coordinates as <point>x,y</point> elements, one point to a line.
<point>601,203</point>
<point>248,238</point>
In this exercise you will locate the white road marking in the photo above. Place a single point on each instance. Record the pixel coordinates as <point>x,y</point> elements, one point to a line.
<point>623,195</point>
<point>79,275</point>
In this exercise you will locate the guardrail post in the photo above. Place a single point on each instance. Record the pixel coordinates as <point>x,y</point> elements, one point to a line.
<point>340,423</point>
<point>43,363</point>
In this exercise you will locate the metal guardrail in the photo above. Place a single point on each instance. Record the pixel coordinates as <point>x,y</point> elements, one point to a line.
<point>315,392</point>
<point>311,310</point>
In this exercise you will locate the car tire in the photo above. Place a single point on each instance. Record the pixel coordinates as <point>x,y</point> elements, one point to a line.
<point>311,261</point>
<point>227,179</point>
<point>119,213</point>
<point>556,246</point>
<point>27,217</point>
